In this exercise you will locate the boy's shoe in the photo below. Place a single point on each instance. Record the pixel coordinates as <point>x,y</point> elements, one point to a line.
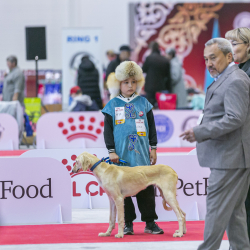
<point>152,228</point>
<point>128,229</point>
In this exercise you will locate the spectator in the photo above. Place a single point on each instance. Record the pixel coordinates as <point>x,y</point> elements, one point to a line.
<point>124,55</point>
<point>111,55</point>
<point>88,80</point>
<point>81,102</point>
<point>157,68</point>
<point>177,80</point>
<point>197,99</point>
<point>13,87</point>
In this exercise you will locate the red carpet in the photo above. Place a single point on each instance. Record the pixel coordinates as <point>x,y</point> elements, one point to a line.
<point>88,233</point>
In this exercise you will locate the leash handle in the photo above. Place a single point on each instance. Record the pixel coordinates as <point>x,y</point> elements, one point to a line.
<point>107,160</point>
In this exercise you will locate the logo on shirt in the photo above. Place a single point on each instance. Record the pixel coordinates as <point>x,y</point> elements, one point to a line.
<point>164,128</point>
<point>81,128</point>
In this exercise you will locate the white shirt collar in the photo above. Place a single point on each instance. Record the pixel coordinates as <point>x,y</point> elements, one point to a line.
<point>129,99</point>
<point>229,65</point>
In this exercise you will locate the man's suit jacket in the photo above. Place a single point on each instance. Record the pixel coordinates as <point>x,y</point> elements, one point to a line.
<point>224,134</point>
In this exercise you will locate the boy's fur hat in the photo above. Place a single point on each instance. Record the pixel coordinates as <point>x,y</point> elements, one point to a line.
<point>122,72</point>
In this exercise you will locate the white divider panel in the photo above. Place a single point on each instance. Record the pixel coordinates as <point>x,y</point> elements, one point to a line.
<point>86,192</point>
<point>70,130</point>
<point>34,191</point>
<point>85,129</point>
<point>171,123</point>
<point>8,132</point>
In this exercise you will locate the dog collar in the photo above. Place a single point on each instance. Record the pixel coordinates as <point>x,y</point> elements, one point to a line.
<point>96,164</point>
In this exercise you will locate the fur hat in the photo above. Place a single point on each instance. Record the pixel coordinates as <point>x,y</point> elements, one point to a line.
<point>122,72</point>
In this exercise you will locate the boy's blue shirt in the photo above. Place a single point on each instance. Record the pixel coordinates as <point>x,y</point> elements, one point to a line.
<point>129,146</point>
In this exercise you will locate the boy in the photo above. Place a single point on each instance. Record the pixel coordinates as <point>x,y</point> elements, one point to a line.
<point>129,128</point>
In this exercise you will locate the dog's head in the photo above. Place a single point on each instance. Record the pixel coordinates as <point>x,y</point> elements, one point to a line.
<point>84,161</point>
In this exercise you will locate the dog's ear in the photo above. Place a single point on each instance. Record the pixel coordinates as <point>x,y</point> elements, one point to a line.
<point>86,161</point>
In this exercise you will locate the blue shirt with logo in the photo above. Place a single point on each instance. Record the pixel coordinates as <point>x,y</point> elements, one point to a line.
<point>129,146</point>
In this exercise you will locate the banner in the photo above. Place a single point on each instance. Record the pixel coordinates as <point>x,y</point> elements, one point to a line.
<point>34,191</point>
<point>85,129</point>
<point>76,43</point>
<point>87,193</point>
<point>8,132</point>
<point>186,27</point>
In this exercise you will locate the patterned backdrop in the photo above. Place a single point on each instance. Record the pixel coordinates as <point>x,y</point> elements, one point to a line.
<point>185,27</point>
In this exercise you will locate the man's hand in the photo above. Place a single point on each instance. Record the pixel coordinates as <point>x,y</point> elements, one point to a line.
<point>188,135</point>
<point>114,157</point>
<point>153,156</point>
<point>15,97</point>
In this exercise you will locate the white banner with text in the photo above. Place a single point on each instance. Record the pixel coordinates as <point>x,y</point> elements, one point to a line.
<point>34,191</point>
<point>77,43</point>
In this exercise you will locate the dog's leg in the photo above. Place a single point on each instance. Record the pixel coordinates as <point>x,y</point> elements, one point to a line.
<point>119,202</point>
<point>180,217</point>
<point>112,217</point>
<point>184,223</point>
<point>170,197</point>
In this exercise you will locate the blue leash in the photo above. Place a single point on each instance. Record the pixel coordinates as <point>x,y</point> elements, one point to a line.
<point>107,160</point>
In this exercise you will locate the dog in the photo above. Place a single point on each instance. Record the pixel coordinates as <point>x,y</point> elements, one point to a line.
<point>120,182</point>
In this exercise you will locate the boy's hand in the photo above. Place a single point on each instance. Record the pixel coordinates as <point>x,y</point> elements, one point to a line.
<point>153,156</point>
<point>114,157</point>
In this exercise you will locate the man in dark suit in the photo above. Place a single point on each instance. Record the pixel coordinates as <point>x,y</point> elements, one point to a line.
<point>158,78</point>
<point>223,145</point>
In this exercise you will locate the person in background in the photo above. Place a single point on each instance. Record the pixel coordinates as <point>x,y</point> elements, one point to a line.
<point>124,55</point>
<point>111,55</point>
<point>177,81</point>
<point>240,40</point>
<point>196,99</point>
<point>157,68</point>
<point>81,102</point>
<point>88,80</point>
<point>13,87</point>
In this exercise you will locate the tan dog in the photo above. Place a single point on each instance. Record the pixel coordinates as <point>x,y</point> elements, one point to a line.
<point>120,182</point>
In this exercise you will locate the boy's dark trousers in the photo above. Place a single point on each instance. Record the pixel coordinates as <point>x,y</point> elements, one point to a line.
<point>247,203</point>
<point>146,204</point>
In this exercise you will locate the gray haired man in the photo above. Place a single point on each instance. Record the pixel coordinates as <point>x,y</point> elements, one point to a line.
<point>13,87</point>
<point>223,145</point>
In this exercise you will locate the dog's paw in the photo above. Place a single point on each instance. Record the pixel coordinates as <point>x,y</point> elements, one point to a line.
<point>177,234</point>
<point>184,231</point>
<point>119,236</point>
<point>103,234</point>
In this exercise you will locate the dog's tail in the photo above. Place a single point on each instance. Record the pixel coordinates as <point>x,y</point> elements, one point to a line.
<point>164,202</point>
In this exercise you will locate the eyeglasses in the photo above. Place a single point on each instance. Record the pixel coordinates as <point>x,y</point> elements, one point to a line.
<point>234,44</point>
